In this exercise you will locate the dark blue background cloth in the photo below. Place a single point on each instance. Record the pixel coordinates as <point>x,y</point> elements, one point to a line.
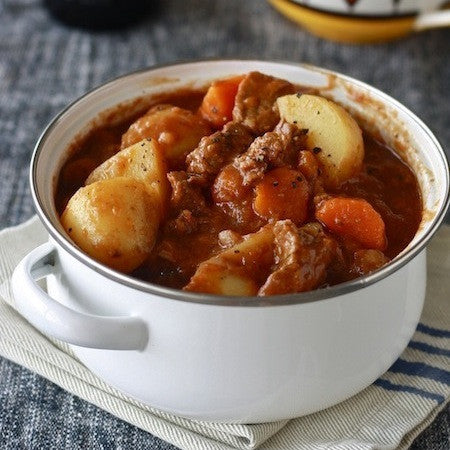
<point>45,65</point>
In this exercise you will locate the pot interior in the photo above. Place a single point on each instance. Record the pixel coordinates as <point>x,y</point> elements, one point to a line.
<point>377,113</point>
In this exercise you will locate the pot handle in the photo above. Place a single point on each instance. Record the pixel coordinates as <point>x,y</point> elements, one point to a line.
<point>429,20</point>
<point>63,323</point>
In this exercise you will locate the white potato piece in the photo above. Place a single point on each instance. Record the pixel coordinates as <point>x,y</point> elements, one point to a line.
<point>239,270</point>
<point>176,130</point>
<point>142,161</point>
<point>331,129</point>
<point>115,221</point>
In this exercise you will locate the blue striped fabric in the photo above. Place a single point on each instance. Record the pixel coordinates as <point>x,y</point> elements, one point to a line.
<point>420,369</point>
<point>436,332</point>
<point>429,348</point>
<point>385,384</point>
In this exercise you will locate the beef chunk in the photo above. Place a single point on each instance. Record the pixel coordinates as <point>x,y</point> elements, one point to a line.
<point>216,150</point>
<point>276,148</point>
<point>302,256</point>
<point>184,196</point>
<point>184,223</point>
<point>255,101</point>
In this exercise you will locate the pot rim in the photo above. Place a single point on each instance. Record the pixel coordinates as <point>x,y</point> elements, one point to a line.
<point>251,301</point>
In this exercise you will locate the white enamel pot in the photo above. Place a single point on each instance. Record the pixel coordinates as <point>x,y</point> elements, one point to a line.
<point>221,358</point>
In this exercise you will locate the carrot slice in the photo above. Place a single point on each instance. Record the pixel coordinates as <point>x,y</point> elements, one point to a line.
<point>283,193</point>
<point>353,218</point>
<point>218,103</point>
<point>308,164</point>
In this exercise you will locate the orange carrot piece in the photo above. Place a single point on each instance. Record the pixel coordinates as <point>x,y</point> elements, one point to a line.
<point>353,218</point>
<point>283,193</point>
<point>308,164</point>
<point>218,103</point>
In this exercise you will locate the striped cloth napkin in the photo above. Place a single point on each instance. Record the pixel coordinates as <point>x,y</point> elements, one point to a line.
<point>388,414</point>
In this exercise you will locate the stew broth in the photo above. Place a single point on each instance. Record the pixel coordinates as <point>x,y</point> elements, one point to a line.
<point>385,181</point>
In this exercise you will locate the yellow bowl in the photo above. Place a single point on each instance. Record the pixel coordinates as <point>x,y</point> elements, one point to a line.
<point>342,28</point>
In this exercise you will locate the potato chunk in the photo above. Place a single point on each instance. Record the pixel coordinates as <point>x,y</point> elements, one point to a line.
<point>115,221</point>
<point>332,132</point>
<point>239,270</point>
<point>177,131</point>
<point>143,161</point>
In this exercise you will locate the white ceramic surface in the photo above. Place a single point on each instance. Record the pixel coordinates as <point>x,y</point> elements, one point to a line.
<point>229,359</point>
<point>427,12</point>
<point>383,8</point>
